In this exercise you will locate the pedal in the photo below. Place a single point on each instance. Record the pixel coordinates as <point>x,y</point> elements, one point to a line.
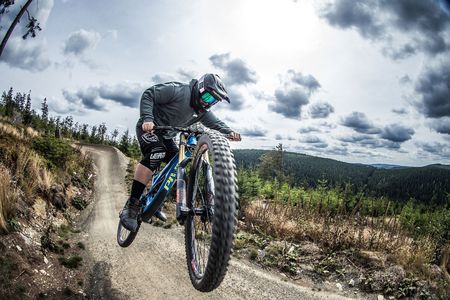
<point>160,215</point>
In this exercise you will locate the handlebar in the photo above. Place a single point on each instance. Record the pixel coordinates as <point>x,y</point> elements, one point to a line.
<point>177,128</point>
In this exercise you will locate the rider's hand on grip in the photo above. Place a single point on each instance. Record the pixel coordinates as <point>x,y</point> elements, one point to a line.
<point>234,136</point>
<point>148,126</point>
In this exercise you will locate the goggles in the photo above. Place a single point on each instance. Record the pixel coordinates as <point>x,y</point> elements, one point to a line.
<point>208,100</point>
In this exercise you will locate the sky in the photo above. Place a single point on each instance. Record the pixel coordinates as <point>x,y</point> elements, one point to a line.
<point>358,81</point>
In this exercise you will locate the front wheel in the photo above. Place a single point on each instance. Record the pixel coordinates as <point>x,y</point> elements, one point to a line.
<point>211,198</point>
<point>124,236</point>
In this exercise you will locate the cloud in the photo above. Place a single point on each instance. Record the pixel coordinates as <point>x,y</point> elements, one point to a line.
<point>400,111</point>
<point>423,24</point>
<point>289,103</point>
<point>278,137</point>
<point>442,125</point>
<point>369,141</point>
<point>307,81</point>
<point>254,132</point>
<point>403,52</point>
<point>321,110</point>
<point>309,129</point>
<point>433,88</point>
<point>125,94</point>
<point>405,79</point>
<point>236,101</point>
<point>294,93</point>
<point>314,141</point>
<point>87,98</point>
<point>181,75</point>
<point>359,122</point>
<point>360,15</point>
<point>99,97</point>
<point>30,54</point>
<point>397,133</point>
<point>237,72</point>
<point>441,150</point>
<point>78,42</point>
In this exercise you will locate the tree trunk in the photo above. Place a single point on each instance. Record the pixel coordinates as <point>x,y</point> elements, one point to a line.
<point>13,25</point>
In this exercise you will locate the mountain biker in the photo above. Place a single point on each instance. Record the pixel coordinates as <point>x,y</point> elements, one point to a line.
<point>171,104</point>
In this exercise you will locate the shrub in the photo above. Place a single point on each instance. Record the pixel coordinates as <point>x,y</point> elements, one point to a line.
<point>55,151</point>
<point>71,262</point>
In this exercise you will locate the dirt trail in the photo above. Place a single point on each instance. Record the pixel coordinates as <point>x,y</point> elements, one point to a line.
<point>154,266</point>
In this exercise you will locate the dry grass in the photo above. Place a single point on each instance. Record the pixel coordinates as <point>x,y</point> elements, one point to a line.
<point>18,133</point>
<point>340,231</point>
<point>11,131</point>
<point>8,196</point>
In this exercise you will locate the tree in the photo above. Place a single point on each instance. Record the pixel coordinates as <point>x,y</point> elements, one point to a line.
<point>102,131</point>
<point>114,135</point>
<point>27,115</point>
<point>8,103</point>
<point>44,109</point>
<point>32,25</point>
<point>271,164</point>
<point>124,142</point>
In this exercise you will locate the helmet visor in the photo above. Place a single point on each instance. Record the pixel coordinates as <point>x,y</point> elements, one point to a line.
<point>208,100</point>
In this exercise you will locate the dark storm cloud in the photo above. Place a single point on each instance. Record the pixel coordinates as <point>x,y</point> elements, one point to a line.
<point>88,98</point>
<point>400,111</point>
<point>423,22</point>
<point>124,94</point>
<point>254,132</point>
<point>289,103</point>
<point>321,110</point>
<point>79,41</point>
<point>433,87</point>
<point>294,93</point>
<point>97,97</point>
<point>347,14</point>
<point>442,125</point>
<point>359,122</point>
<point>237,72</point>
<point>397,133</point>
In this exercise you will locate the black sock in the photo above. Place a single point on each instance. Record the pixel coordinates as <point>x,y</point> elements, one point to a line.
<point>136,189</point>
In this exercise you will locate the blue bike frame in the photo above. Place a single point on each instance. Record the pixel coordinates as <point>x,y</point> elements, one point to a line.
<point>165,179</point>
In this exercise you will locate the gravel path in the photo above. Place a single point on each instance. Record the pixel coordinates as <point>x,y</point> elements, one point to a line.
<point>154,266</point>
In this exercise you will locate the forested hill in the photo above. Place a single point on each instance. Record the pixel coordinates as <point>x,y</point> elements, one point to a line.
<point>429,184</point>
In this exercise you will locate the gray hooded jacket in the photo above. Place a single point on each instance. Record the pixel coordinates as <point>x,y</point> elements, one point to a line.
<point>169,104</point>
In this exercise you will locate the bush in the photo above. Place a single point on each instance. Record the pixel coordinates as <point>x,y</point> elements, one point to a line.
<point>79,203</point>
<point>55,151</point>
<point>71,262</point>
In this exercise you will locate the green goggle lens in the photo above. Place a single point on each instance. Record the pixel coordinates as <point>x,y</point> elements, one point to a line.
<point>208,98</point>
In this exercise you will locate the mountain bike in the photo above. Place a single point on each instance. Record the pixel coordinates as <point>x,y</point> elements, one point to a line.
<point>204,172</point>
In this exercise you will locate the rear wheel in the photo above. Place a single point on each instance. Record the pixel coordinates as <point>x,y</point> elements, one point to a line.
<point>212,198</point>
